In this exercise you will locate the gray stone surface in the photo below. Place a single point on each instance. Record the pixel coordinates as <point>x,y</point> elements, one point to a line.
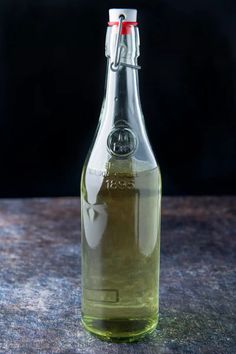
<point>40,279</point>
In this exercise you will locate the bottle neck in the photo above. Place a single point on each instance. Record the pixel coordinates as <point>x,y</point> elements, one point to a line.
<point>121,138</point>
<point>122,99</point>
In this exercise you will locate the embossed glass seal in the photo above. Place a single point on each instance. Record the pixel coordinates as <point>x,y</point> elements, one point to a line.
<point>121,142</point>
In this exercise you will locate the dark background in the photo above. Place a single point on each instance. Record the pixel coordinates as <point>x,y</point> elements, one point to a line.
<point>52,69</point>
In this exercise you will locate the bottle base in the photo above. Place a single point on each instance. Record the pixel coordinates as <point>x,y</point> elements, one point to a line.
<point>119,330</point>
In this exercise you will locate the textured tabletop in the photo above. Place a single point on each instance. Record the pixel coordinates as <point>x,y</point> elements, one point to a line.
<point>40,279</point>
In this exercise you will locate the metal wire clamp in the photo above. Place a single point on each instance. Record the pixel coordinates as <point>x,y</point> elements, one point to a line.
<point>118,49</point>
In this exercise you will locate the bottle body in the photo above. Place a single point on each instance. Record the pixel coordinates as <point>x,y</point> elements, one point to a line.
<point>120,248</point>
<point>120,209</point>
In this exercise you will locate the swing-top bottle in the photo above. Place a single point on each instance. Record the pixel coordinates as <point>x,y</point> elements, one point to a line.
<point>120,201</point>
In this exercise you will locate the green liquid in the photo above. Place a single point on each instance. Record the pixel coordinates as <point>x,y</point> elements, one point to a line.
<point>120,252</point>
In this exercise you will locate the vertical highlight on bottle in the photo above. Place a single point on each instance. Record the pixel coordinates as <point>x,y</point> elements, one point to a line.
<point>121,201</point>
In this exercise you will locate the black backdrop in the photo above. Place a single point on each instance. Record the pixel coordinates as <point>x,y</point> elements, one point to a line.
<point>52,69</point>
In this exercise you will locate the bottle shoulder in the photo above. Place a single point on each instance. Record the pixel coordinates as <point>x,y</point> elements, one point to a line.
<point>121,142</point>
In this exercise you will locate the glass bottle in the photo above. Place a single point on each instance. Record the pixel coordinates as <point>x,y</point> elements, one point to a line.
<point>120,201</point>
